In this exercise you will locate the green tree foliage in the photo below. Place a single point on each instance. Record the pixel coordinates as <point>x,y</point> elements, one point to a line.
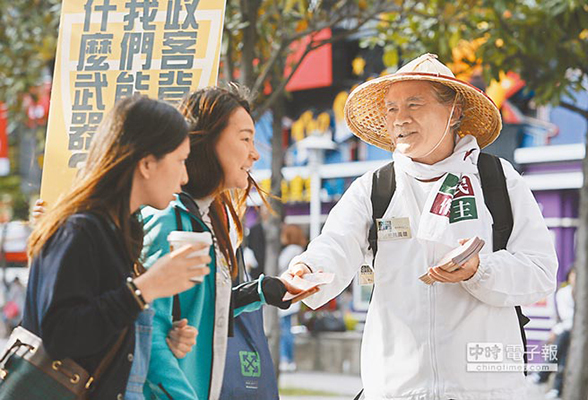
<point>546,42</point>
<point>28,39</point>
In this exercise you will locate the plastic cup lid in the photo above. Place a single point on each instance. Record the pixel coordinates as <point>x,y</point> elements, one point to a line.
<point>190,237</point>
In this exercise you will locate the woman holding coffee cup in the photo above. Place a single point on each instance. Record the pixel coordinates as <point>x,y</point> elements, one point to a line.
<point>87,287</point>
<point>222,153</point>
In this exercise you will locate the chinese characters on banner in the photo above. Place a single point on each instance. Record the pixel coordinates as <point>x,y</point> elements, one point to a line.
<point>456,199</point>
<point>110,49</point>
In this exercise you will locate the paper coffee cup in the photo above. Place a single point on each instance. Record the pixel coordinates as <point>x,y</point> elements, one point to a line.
<point>179,239</point>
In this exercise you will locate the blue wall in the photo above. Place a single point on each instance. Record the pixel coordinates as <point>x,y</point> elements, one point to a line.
<point>572,125</point>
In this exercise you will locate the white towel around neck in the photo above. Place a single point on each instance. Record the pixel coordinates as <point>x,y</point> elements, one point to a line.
<point>455,205</point>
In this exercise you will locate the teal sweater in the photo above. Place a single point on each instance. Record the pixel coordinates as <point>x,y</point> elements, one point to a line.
<point>187,378</point>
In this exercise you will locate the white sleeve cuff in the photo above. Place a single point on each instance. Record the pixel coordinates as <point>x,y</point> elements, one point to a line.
<point>482,272</point>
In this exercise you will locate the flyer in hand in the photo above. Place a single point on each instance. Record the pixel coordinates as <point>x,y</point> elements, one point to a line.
<point>307,283</point>
<point>457,257</point>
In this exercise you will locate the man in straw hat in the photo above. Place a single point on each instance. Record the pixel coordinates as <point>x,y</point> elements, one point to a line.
<point>436,341</point>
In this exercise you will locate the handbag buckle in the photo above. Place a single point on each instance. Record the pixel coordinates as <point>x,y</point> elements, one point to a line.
<point>3,373</point>
<point>55,365</point>
<point>73,377</point>
<point>89,383</point>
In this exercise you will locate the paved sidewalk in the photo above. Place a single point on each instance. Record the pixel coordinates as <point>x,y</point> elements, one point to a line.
<point>345,387</point>
<point>339,387</point>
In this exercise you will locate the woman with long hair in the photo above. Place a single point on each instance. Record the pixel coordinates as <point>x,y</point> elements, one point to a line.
<point>87,286</point>
<point>222,153</point>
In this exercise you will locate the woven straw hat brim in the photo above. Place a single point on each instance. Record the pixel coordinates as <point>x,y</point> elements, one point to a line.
<point>365,111</point>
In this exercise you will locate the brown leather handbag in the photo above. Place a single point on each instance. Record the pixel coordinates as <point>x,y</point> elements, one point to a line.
<point>28,372</point>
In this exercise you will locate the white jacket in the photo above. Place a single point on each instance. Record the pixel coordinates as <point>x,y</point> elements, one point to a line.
<point>416,336</point>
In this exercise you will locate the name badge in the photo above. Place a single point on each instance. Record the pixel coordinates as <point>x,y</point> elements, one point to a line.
<point>393,229</point>
<point>366,275</point>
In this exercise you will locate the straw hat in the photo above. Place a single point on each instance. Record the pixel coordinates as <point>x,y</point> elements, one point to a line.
<point>365,111</point>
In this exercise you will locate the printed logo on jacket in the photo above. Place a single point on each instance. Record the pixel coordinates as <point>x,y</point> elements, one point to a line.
<point>455,199</point>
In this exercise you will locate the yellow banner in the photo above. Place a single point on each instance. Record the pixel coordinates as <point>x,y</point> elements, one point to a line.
<point>110,49</point>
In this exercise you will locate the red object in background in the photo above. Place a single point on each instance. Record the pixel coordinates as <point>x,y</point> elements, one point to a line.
<point>316,70</point>
<point>10,310</point>
<point>16,257</point>
<point>285,137</point>
<point>4,163</point>
<point>515,84</point>
<point>510,115</point>
<point>331,305</point>
<point>3,134</point>
<point>37,105</point>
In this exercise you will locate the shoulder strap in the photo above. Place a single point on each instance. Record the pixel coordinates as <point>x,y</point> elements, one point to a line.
<point>496,198</point>
<point>177,308</point>
<point>242,274</point>
<point>107,360</point>
<point>497,201</point>
<point>383,188</point>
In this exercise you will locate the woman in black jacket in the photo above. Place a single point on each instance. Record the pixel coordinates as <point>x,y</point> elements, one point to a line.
<point>87,285</point>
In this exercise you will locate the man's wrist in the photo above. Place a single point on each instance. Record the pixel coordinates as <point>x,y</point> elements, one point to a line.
<point>304,265</point>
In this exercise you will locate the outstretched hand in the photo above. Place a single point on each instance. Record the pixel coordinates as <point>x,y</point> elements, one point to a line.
<point>298,269</point>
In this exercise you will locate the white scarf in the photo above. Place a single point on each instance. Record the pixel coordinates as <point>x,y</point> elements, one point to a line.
<point>455,207</point>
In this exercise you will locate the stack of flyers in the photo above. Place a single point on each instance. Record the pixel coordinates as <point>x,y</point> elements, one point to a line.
<point>307,283</point>
<point>457,257</point>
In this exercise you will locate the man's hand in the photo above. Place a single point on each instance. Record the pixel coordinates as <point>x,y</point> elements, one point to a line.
<point>465,272</point>
<point>181,338</point>
<point>298,269</point>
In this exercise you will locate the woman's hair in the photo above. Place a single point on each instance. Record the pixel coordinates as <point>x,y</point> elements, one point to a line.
<point>293,234</point>
<point>208,112</point>
<point>136,127</point>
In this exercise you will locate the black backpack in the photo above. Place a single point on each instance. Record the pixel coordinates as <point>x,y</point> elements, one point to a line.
<point>496,198</point>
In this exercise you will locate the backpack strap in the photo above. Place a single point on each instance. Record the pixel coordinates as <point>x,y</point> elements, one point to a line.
<point>177,308</point>
<point>496,198</point>
<point>242,275</point>
<point>498,203</point>
<point>383,188</point>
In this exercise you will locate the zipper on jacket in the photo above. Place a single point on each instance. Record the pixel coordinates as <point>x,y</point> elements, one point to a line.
<point>432,290</point>
<point>213,324</point>
<point>432,340</point>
